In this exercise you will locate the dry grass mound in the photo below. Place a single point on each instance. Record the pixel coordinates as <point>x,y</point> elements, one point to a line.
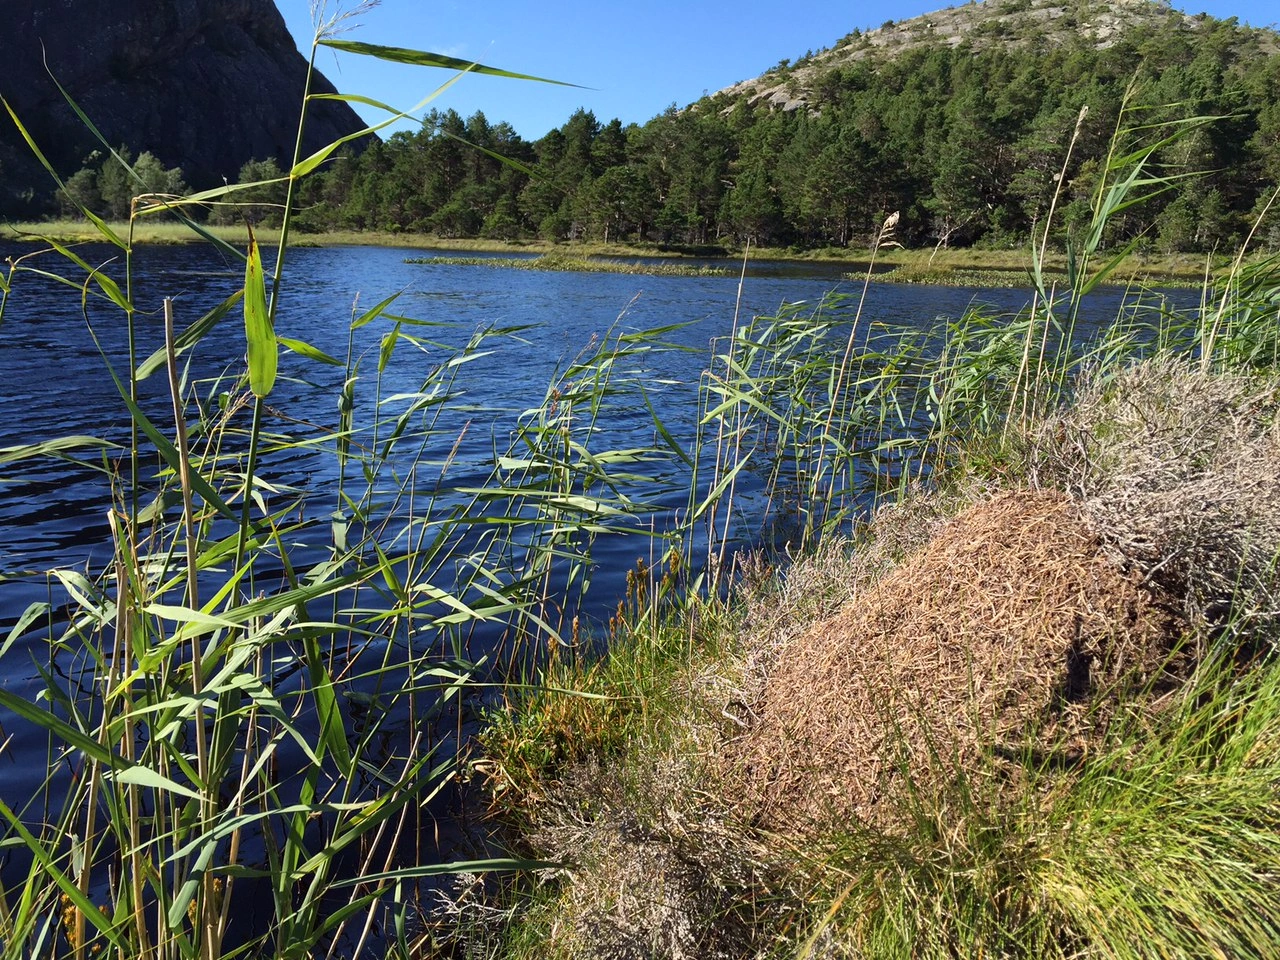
<point>663,876</point>
<point>1008,622</point>
<point>1179,470</point>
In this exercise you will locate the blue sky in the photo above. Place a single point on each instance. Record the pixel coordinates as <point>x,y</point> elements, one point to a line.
<point>637,58</point>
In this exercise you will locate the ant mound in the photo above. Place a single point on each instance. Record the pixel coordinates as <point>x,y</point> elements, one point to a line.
<point>1008,634</point>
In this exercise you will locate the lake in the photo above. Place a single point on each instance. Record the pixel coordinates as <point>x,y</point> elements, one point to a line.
<point>54,357</point>
<point>55,384</point>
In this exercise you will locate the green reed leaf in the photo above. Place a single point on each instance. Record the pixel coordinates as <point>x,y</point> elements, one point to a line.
<point>100,921</point>
<point>376,311</point>
<point>302,348</point>
<point>263,349</point>
<point>355,98</point>
<point>194,622</point>
<point>528,171</point>
<point>304,167</point>
<point>150,780</point>
<point>83,591</point>
<point>53,448</point>
<point>29,616</point>
<point>89,125</point>
<point>59,728</point>
<point>170,453</point>
<point>190,336</point>
<point>104,282</point>
<point>420,58</point>
<point>187,893</point>
<point>93,218</point>
<point>332,730</point>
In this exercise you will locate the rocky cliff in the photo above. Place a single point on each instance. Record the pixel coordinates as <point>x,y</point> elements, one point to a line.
<point>202,84</point>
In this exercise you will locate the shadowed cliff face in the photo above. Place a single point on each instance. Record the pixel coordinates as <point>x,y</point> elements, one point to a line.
<point>202,84</point>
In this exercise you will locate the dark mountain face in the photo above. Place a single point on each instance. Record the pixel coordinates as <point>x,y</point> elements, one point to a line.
<point>203,84</point>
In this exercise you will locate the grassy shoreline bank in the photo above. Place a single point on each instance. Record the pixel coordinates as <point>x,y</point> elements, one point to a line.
<point>943,266</point>
<point>561,263</point>
<point>1030,712</point>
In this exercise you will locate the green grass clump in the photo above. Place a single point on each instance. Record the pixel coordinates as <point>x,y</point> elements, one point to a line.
<point>1165,843</point>
<point>597,768</point>
<point>953,276</point>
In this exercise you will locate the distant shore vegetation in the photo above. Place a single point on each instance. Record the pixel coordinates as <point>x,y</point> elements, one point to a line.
<point>965,142</point>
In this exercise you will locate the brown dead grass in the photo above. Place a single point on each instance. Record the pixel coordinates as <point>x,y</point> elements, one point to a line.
<point>1008,622</point>
<point>1179,470</point>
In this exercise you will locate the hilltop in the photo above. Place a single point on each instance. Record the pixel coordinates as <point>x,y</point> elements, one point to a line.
<point>982,25</point>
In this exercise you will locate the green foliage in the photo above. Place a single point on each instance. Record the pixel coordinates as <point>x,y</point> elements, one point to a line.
<point>261,202</point>
<point>964,142</point>
<point>109,189</point>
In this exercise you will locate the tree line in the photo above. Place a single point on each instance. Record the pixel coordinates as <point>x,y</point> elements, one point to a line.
<point>966,142</point>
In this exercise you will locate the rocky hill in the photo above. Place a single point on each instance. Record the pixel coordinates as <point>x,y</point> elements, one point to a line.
<point>204,84</point>
<point>981,24</point>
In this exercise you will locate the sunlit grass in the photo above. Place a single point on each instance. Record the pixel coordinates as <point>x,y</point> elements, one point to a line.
<point>969,266</point>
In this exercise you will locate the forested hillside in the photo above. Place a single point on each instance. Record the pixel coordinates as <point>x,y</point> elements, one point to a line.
<point>960,120</point>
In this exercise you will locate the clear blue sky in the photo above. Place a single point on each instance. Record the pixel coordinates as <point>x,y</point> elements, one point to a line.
<point>637,58</point>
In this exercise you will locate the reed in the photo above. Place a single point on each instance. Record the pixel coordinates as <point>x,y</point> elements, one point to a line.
<point>247,710</point>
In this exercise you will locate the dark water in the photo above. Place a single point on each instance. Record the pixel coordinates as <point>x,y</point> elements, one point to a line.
<point>54,380</point>
<point>55,352</point>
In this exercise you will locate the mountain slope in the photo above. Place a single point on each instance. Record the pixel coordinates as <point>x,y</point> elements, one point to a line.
<point>203,84</point>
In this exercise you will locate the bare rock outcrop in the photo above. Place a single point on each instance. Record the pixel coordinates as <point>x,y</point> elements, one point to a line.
<point>203,84</point>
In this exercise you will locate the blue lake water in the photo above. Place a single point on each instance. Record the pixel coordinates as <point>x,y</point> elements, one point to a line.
<point>54,381</point>
<point>55,350</point>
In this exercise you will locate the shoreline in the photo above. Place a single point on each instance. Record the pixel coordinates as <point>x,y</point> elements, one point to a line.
<point>956,267</point>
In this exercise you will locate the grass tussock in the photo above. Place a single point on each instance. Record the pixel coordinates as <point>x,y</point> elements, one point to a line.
<point>990,726</point>
<point>601,771</point>
<point>1178,468</point>
<point>1006,622</point>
